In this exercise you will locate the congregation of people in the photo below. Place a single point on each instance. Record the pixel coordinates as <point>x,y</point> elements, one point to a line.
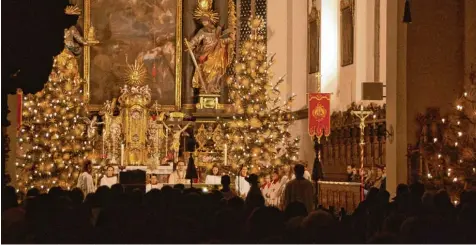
<point>281,209</point>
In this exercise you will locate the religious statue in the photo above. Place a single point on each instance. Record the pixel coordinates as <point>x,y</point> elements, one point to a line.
<point>211,49</point>
<point>72,37</point>
<point>176,138</point>
<point>92,127</point>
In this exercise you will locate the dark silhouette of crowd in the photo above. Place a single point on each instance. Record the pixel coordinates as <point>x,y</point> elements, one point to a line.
<point>179,215</point>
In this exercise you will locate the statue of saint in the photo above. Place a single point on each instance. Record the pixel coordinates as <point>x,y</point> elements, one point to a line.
<point>72,37</point>
<point>210,49</point>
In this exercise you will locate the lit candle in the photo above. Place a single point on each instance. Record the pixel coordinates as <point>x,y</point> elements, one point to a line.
<point>166,141</point>
<point>122,154</point>
<point>103,139</point>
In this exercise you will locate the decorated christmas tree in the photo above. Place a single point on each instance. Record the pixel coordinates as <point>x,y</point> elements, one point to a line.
<point>52,139</point>
<point>450,144</point>
<point>259,134</point>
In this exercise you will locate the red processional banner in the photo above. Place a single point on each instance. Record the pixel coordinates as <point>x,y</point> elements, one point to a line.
<point>319,115</point>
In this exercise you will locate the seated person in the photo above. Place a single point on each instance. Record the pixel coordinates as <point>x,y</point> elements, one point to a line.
<point>109,179</point>
<point>178,176</point>
<point>265,188</point>
<point>154,183</point>
<point>214,178</point>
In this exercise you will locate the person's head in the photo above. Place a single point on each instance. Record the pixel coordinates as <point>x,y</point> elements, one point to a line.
<point>215,170</point>
<point>109,171</point>
<point>295,209</point>
<point>402,189</point>
<point>354,170</point>
<point>253,179</point>
<point>299,171</point>
<point>225,180</point>
<point>275,175</point>
<point>180,166</point>
<point>267,178</point>
<point>286,169</point>
<point>87,166</point>
<point>244,171</point>
<point>153,179</point>
<point>349,169</point>
<point>33,192</point>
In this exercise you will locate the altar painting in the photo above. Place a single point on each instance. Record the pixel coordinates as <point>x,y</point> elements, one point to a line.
<point>148,30</point>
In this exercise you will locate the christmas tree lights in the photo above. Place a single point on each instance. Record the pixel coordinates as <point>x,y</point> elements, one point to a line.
<point>259,133</point>
<point>51,140</point>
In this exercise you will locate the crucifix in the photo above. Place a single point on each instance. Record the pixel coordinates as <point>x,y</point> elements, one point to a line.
<point>362,115</point>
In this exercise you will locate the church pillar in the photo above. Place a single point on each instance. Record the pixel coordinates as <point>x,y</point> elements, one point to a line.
<point>364,22</point>
<point>330,16</point>
<point>189,27</point>
<point>221,7</point>
<point>11,132</point>
<point>395,76</point>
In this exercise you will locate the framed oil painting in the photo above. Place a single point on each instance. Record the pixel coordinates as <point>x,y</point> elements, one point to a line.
<point>347,32</point>
<point>148,30</point>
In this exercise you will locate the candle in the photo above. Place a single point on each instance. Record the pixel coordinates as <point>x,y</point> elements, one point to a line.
<point>103,139</point>
<point>226,154</point>
<point>122,154</point>
<point>166,141</point>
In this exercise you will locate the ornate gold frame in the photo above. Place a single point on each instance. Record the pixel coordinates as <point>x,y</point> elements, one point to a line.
<point>178,58</point>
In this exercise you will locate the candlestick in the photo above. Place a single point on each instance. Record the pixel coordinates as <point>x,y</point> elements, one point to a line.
<point>122,154</point>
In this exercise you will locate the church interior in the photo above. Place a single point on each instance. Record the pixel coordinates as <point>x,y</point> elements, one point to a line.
<point>360,95</point>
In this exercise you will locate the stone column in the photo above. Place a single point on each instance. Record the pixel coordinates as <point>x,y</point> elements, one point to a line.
<point>189,28</point>
<point>330,19</point>
<point>395,76</point>
<point>11,131</point>
<point>364,45</point>
<point>221,7</point>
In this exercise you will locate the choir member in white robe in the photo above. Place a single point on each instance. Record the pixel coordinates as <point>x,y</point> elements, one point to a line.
<point>265,188</point>
<point>85,180</point>
<point>241,185</point>
<point>214,178</point>
<point>274,190</point>
<point>109,179</point>
<point>178,176</point>
<point>154,184</point>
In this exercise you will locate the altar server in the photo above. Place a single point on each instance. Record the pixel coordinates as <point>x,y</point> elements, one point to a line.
<point>109,179</point>
<point>85,180</point>
<point>242,186</point>
<point>154,183</point>
<point>214,178</point>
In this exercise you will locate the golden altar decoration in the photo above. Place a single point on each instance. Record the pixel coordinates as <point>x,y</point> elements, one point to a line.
<point>134,100</point>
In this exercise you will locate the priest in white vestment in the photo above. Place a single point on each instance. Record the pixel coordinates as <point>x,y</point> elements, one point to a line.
<point>85,179</point>
<point>242,186</point>
<point>214,178</point>
<point>154,184</point>
<point>178,176</point>
<point>109,179</point>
